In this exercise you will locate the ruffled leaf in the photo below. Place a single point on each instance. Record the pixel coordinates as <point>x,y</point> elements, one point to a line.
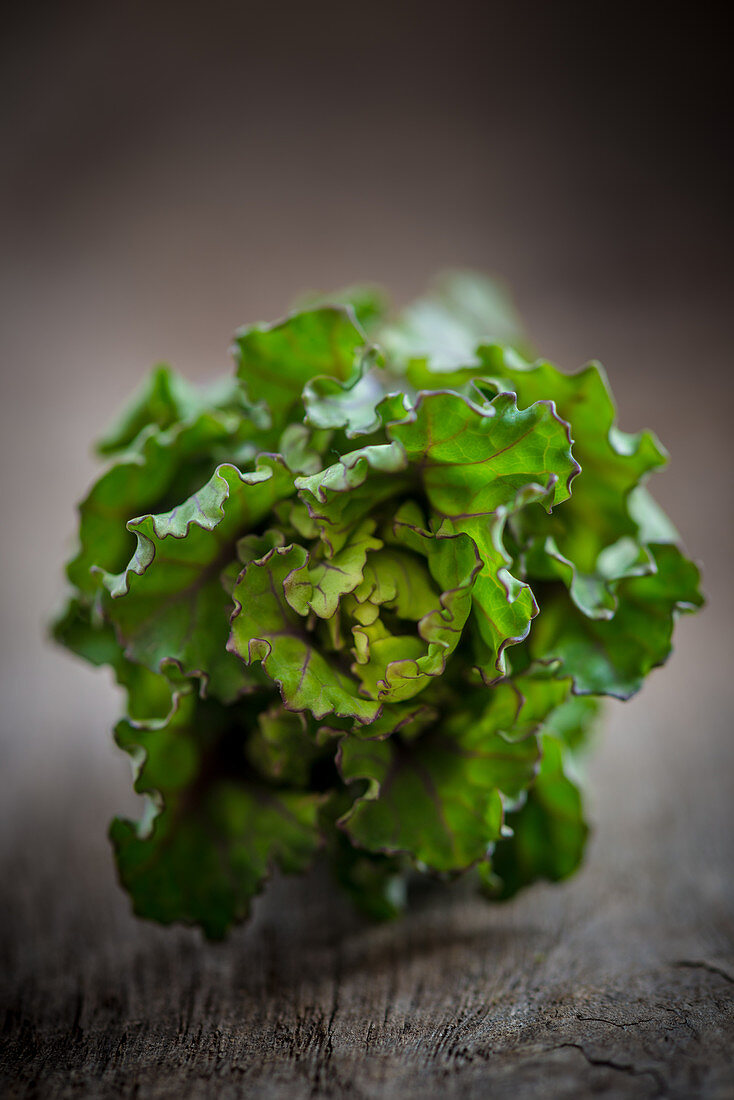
<point>149,694</point>
<point>445,327</point>
<point>548,833</point>
<point>301,448</point>
<point>170,602</point>
<point>422,800</point>
<point>265,628</point>
<point>355,405</point>
<point>319,586</point>
<point>439,798</point>
<point>478,467</point>
<point>368,303</point>
<point>163,400</point>
<point>574,721</point>
<point>213,831</point>
<point>276,361</point>
<point>393,667</point>
<point>375,883</point>
<point>570,546</point>
<point>342,495</point>
<point>613,656</point>
<point>472,460</point>
<point>164,465</point>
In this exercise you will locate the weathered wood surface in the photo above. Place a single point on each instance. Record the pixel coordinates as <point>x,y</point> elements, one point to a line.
<point>620,983</point>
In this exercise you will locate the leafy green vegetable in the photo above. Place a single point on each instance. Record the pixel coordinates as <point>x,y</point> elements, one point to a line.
<point>363,598</point>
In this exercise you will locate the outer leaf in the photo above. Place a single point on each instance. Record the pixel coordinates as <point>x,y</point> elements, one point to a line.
<point>521,705</point>
<point>375,883</point>
<point>473,460</point>
<point>150,694</point>
<point>170,601</point>
<point>548,833</point>
<point>163,464</point>
<point>215,832</point>
<point>445,327</point>
<point>612,657</point>
<point>573,722</point>
<point>568,546</point>
<point>276,361</point>
<point>437,800</point>
<point>439,797</point>
<point>266,629</point>
<point>368,303</point>
<point>652,523</point>
<point>163,400</point>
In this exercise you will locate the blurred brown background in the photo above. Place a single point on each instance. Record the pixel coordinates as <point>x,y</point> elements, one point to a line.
<point>171,170</point>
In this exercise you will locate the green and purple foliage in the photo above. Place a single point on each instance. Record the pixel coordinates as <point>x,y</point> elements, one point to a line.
<point>363,598</point>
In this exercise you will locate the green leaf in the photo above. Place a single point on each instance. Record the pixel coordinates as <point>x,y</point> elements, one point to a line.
<point>472,460</point>
<point>319,585</point>
<point>445,327</point>
<point>170,603</point>
<point>276,361</point>
<point>368,303</point>
<point>342,495</point>
<point>359,406</point>
<point>95,641</point>
<point>573,722</point>
<point>548,833</point>
<point>163,464</point>
<point>150,694</point>
<point>393,667</point>
<point>280,747</point>
<point>409,719</point>
<point>613,657</point>
<point>652,523</point>
<point>397,581</point>
<point>439,798</point>
<point>213,831</point>
<point>503,607</point>
<point>375,883</point>
<point>479,466</point>
<point>163,400</point>
<point>265,628</point>
<point>569,546</point>
<point>301,449</point>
